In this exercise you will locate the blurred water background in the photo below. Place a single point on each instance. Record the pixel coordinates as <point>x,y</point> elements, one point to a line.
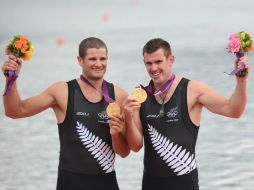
<point>198,32</point>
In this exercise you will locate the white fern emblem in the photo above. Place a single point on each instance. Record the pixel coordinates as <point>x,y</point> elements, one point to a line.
<point>100,150</point>
<point>176,157</point>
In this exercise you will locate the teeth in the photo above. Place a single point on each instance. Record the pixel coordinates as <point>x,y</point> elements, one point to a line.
<point>155,74</point>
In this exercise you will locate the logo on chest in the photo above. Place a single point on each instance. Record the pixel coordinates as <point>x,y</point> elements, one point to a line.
<point>103,117</point>
<point>79,113</point>
<point>172,114</point>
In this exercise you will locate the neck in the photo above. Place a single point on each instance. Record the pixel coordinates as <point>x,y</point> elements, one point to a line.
<point>100,86</point>
<point>96,82</point>
<point>157,86</point>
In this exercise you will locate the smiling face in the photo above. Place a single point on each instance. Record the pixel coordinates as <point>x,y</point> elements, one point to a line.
<point>158,66</point>
<point>94,63</point>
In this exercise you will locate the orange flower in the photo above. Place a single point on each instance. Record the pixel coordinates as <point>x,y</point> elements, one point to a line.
<point>23,39</point>
<point>250,49</point>
<point>27,56</point>
<point>18,44</point>
<point>23,50</point>
<point>25,46</point>
<point>21,46</point>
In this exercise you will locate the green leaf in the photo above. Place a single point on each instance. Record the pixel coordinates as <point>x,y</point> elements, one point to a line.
<point>243,44</point>
<point>248,43</point>
<point>242,35</point>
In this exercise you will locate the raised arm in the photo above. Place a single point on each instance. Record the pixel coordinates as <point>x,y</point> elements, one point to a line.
<point>15,107</point>
<point>231,107</point>
<point>54,97</point>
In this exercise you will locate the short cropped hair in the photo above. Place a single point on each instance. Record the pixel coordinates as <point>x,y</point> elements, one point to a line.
<point>153,45</point>
<point>90,42</point>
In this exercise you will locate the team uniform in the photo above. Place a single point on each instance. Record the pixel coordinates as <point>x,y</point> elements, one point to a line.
<point>169,154</point>
<point>86,154</point>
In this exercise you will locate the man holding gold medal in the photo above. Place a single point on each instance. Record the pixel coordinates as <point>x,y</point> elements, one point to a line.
<point>167,114</point>
<point>89,137</point>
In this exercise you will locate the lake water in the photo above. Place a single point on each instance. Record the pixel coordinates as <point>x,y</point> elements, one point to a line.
<point>198,32</point>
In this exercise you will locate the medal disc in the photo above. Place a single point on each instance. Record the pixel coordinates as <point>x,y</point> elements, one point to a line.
<point>113,108</point>
<point>140,95</point>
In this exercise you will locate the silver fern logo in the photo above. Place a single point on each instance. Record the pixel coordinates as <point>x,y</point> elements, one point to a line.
<point>101,151</point>
<point>176,157</point>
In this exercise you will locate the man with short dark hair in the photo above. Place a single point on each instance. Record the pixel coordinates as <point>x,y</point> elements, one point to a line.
<point>89,139</point>
<point>169,119</point>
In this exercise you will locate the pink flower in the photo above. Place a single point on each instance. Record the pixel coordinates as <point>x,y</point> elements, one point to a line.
<point>234,44</point>
<point>233,37</point>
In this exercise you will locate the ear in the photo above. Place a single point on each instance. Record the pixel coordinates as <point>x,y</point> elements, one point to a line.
<point>171,59</point>
<point>80,60</point>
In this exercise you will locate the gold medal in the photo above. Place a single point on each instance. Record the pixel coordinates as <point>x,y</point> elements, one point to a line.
<point>140,95</point>
<point>113,108</point>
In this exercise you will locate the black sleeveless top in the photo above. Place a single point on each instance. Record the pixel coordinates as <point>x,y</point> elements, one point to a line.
<point>169,140</point>
<point>85,141</point>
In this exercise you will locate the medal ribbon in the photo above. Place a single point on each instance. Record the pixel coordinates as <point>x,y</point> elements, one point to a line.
<point>104,89</point>
<point>150,88</point>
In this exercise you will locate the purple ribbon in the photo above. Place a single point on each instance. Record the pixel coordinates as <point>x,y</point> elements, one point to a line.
<point>150,88</point>
<point>104,89</point>
<point>237,69</point>
<point>12,76</point>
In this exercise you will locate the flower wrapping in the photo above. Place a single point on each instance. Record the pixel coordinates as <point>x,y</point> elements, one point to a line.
<point>20,47</point>
<point>239,44</point>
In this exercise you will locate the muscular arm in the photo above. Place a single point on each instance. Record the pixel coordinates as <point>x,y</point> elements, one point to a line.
<point>200,95</point>
<point>15,107</point>
<point>230,107</point>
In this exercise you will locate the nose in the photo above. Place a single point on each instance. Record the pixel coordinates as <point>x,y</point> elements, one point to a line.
<point>153,67</point>
<point>98,63</point>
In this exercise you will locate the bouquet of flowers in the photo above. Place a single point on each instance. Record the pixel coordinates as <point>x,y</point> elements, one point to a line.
<point>239,44</point>
<point>20,47</point>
